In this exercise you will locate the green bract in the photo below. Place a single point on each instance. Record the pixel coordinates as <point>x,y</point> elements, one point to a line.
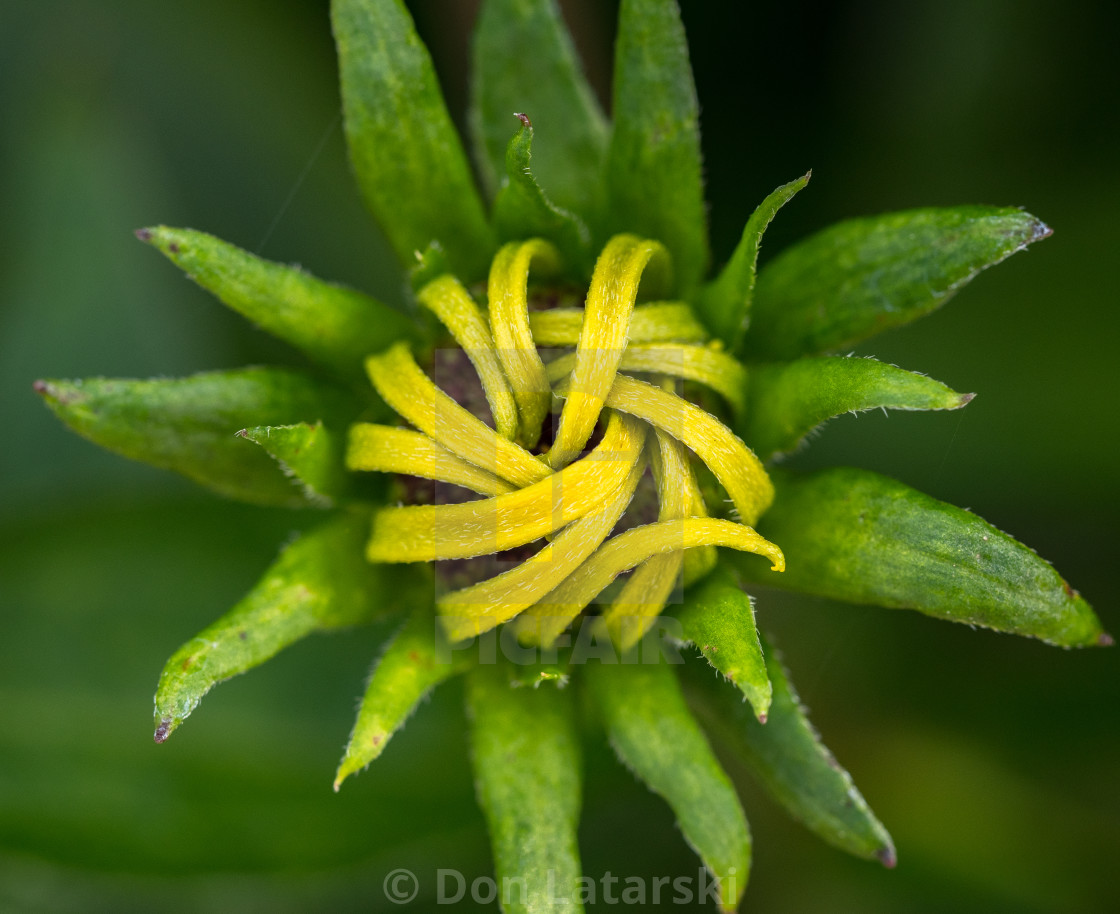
<point>550,445</point>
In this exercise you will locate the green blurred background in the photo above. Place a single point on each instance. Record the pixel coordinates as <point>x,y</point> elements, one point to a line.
<point>992,760</point>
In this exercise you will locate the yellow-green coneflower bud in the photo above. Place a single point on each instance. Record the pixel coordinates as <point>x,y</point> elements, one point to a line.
<point>558,492</point>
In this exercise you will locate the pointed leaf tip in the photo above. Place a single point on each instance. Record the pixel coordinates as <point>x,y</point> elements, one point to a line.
<point>1105,640</point>
<point>163,730</point>
<point>888,857</point>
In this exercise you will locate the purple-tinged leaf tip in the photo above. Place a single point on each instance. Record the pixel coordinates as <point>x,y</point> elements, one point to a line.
<point>41,387</point>
<point>1105,640</point>
<point>162,731</point>
<point>887,857</point>
<point>144,234</point>
<point>524,118</point>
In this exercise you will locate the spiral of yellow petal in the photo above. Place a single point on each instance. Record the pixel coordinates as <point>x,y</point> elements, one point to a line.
<point>385,449</point>
<point>508,291</point>
<point>411,393</point>
<point>478,608</point>
<point>708,366</point>
<point>606,326</point>
<point>544,621</point>
<point>426,533</point>
<point>650,586</point>
<point>651,323</point>
<point>734,464</point>
<point>452,304</point>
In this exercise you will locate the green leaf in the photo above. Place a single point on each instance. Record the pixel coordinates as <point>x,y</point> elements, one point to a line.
<point>523,60</point>
<point>855,535</point>
<point>787,400</point>
<point>790,762</point>
<point>655,735</point>
<point>406,155</point>
<point>335,326</point>
<point>526,758</point>
<point>311,455</point>
<point>725,302</point>
<point>718,618</point>
<point>189,424</point>
<point>860,277</point>
<point>655,187</point>
<point>522,210</point>
<point>320,582</point>
<point>415,661</point>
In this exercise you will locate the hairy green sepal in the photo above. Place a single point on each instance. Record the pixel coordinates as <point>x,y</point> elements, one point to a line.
<point>190,425</point>
<point>789,760</point>
<point>526,758</point>
<point>860,277</point>
<point>524,61</point>
<point>320,582</point>
<point>788,400</point>
<point>407,157</point>
<point>655,735</point>
<point>857,536</point>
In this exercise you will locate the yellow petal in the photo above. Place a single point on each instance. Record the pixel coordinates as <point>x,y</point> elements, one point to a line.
<point>476,609</point>
<point>509,317</point>
<point>734,464</point>
<point>704,364</point>
<point>452,304</point>
<point>385,449</point>
<point>606,325</point>
<point>650,323</point>
<point>426,533</point>
<point>543,622</point>
<point>411,393</point>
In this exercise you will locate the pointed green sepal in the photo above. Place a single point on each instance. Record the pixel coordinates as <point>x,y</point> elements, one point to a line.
<point>654,181</point>
<point>335,326</point>
<point>523,60</point>
<point>311,455</point>
<point>406,155</point>
<point>857,536</point>
<point>718,618</point>
<point>725,303</point>
<point>655,735</point>
<point>788,400</point>
<point>415,661</point>
<point>190,425</point>
<point>320,582</point>
<point>526,758</point>
<point>522,210</point>
<point>863,276</point>
<point>788,759</point>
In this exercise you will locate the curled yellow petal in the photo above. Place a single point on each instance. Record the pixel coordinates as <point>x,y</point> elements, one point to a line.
<point>704,364</point>
<point>452,304</point>
<point>648,589</point>
<point>734,464</point>
<point>476,609</point>
<point>508,293</point>
<point>543,622</point>
<point>426,533</point>
<point>385,449</point>
<point>606,325</point>
<point>649,323</point>
<point>410,392</point>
